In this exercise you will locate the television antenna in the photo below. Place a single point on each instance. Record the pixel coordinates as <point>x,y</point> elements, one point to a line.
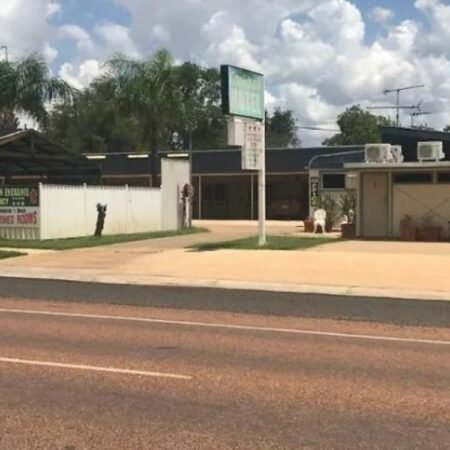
<point>411,108</point>
<point>398,91</point>
<point>418,113</point>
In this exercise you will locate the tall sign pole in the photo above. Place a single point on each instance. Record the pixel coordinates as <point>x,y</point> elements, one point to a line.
<point>243,95</point>
<point>262,190</point>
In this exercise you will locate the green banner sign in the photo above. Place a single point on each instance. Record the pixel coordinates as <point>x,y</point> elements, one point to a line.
<point>11,196</point>
<point>242,92</point>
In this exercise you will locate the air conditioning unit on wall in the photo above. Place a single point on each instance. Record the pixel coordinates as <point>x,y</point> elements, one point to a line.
<point>397,154</point>
<point>430,151</point>
<point>378,153</point>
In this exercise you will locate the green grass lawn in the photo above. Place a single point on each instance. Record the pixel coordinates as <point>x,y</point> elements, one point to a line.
<point>273,243</point>
<point>92,241</point>
<point>4,255</point>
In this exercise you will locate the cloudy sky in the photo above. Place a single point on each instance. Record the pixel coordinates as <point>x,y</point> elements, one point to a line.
<point>319,56</point>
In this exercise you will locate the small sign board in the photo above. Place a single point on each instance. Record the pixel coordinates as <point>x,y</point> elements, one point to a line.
<point>315,192</point>
<point>252,152</point>
<point>19,206</point>
<point>242,93</point>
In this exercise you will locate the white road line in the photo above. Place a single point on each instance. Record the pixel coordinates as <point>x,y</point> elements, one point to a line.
<point>94,368</point>
<point>228,326</point>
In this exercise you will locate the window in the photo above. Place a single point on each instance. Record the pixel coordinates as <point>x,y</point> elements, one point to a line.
<point>413,178</point>
<point>444,177</point>
<point>333,181</point>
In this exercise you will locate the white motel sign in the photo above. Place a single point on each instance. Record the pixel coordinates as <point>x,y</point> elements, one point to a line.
<point>252,152</point>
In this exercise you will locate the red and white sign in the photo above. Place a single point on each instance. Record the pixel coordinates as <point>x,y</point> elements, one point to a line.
<point>25,217</point>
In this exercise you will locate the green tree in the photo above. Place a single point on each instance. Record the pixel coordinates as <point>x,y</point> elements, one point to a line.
<point>93,123</point>
<point>26,87</point>
<point>281,129</point>
<point>446,129</point>
<point>201,122</point>
<point>145,91</point>
<point>358,127</point>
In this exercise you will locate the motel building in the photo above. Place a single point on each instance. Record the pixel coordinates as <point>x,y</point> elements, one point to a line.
<point>387,191</point>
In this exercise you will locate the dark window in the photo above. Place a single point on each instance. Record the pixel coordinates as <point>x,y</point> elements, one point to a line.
<point>413,178</point>
<point>215,192</point>
<point>444,178</point>
<point>333,181</point>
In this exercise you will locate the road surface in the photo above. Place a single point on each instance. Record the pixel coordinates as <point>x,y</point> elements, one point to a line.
<point>88,376</point>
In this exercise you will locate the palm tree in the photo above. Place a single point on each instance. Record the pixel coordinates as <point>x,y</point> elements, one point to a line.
<point>26,87</point>
<point>146,91</point>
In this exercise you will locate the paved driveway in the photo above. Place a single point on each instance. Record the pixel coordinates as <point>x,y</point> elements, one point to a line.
<point>383,269</point>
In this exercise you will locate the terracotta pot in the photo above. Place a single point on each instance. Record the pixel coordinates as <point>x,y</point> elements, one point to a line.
<point>408,233</point>
<point>348,231</point>
<point>431,234</point>
<point>309,226</point>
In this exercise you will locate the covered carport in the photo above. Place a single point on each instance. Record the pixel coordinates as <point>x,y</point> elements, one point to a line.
<point>28,157</point>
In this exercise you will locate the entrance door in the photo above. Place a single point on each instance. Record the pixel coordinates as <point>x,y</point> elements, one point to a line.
<point>374,205</point>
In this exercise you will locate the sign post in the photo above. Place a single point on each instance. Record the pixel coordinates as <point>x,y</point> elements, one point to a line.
<point>243,95</point>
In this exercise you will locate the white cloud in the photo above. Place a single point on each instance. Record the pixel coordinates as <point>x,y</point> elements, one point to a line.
<point>116,39</point>
<point>160,33</point>
<point>316,55</point>
<point>381,15</point>
<point>24,29</point>
<point>228,43</point>
<point>81,75</point>
<point>84,42</point>
<point>50,53</point>
<point>53,9</point>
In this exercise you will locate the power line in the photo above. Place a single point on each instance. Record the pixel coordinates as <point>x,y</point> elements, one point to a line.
<point>331,130</point>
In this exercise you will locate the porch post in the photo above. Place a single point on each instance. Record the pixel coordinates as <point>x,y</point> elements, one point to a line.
<point>390,205</point>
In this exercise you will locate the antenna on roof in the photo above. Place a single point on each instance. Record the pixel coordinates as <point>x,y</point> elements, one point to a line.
<point>418,112</point>
<point>398,91</point>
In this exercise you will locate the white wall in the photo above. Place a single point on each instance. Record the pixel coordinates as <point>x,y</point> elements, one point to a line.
<point>175,174</point>
<point>70,211</point>
<point>420,201</point>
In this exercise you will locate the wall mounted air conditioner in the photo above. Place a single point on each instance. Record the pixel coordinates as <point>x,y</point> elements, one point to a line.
<point>378,153</point>
<point>397,154</point>
<point>430,151</point>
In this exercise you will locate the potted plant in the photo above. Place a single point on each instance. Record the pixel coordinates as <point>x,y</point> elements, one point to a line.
<point>429,231</point>
<point>330,206</point>
<point>408,230</point>
<point>309,225</point>
<point>347,205</point>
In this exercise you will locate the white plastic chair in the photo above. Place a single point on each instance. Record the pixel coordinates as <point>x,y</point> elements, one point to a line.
<point>320,219</point>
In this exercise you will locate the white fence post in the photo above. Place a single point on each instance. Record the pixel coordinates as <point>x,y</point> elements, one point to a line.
<point>85,208</point>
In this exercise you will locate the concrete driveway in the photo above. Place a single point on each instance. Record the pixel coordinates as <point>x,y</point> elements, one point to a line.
<point>377,269</point>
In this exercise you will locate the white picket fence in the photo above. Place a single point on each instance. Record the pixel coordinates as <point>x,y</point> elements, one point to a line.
<point>71,211</point>
<point>68,211</point>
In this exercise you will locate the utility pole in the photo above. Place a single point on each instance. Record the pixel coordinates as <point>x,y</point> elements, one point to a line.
<point>398,91</point>
<point>5,47</point>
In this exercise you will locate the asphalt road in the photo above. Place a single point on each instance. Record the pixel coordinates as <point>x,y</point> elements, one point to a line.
<point>381,310</point>
<point>86,376</point>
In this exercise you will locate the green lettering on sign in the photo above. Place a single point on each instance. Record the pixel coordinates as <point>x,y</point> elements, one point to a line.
<point>242,92</point>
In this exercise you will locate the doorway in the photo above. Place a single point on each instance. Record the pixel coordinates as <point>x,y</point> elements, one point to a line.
<point>374,206</point>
